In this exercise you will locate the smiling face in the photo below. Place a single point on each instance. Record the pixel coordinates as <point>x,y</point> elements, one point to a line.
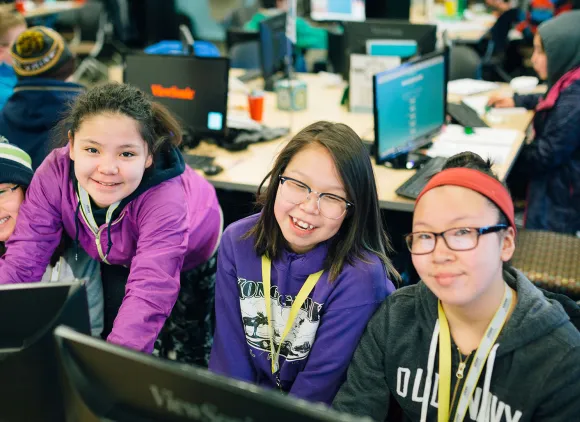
<point>460,278</point>
<point>110,157</point>
<point>10,201</point>
<point>314,166</point>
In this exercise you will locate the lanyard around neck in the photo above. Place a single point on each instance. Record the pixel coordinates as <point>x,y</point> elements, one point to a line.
<point>485,346</point>
<point>296,305</point>
<point>87,209</point>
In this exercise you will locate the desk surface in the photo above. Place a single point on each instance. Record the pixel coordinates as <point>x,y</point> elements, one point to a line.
<point>244,170</point>
<point>466,31</point>
<point>51,9</point>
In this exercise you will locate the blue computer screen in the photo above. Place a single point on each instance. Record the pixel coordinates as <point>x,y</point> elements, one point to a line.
<point>409,103</point>
<point>350,10</point>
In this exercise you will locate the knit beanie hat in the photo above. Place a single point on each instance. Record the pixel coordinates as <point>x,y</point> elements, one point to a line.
<point>39,51</point>
<point>15,164</point>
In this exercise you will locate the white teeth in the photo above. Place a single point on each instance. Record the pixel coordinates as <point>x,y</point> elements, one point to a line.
<point>4,220</point>
<point>302,224</point>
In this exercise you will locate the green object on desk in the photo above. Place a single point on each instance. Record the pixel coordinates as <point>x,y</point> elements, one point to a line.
<point>344,99</point>
<point>468,130</point>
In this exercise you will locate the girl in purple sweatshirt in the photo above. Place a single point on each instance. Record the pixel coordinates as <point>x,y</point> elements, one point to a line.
<point>120,188</point>
<point>298,282</point>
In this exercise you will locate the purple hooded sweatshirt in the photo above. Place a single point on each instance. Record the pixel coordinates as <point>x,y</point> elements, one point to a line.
<point>168,228</point>
<point>316,353</point>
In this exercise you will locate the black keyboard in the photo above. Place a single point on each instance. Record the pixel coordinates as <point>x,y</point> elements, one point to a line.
<point>198,161</point>
<point>415,184</point>
<point>465,115</point>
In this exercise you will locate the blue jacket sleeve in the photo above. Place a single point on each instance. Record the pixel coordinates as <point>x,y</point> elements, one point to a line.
<point>528,101</point>
<point>559,137</point>
<point>230,354</point>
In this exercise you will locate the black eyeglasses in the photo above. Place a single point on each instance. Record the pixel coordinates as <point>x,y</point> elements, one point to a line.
<point>5,193</point>
<point>329,205</point>
<point>457,239</point>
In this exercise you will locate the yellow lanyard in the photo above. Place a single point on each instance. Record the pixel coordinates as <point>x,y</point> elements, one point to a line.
<point>485,346</point>
<point>298,301</point>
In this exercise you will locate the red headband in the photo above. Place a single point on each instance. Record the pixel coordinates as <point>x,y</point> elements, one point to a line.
<point>478,182</point>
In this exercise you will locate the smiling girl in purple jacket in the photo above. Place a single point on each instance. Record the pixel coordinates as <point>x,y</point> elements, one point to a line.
<point>297,283</point>
<point>121,189</point>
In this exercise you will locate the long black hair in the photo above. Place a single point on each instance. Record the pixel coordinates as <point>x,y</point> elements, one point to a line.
<point>362,230</point>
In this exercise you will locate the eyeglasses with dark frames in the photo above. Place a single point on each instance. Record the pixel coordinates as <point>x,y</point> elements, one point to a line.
<point>456,239</point>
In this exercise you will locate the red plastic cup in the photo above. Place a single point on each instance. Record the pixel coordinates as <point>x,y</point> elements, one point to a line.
<point>20,6</point>
<point>256,104</point>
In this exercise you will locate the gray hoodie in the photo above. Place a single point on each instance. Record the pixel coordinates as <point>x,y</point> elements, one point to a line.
<point>535,375</point>
<point>561,39</point>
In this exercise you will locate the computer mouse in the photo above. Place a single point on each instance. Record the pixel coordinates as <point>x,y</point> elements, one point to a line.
<point>212,170</point>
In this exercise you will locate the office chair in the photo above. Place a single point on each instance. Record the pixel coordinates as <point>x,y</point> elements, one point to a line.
<point>464,63</point>
<point>239,16</point>
<point>243,48</point>
<point>497,42</point>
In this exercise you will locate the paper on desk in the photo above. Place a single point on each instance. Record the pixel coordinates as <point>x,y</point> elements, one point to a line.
<point>470,86</point>
<point>495,144</point>
<point>479,104</point>
<point>508,111</point>
<point>453,27</point>
<point>362,70</point>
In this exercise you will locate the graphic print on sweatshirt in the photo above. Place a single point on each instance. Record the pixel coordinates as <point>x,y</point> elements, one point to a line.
<point>411,386</point>
<point>300,338</point>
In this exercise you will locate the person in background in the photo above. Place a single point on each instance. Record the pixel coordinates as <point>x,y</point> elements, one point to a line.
<point>307,36</point>
<point>15,177</point>
<point>11,25</point>
<point>551,162</point>
<point>298,282</point>
<point>539,11</point>
<point>474,340</point>
<point>43,64</point>
<point>501,5</point>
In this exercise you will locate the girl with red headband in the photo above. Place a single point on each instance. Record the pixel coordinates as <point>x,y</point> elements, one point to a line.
<point>475,340</point>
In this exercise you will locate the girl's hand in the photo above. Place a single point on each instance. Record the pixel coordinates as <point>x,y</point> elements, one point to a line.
<point>501,101</point>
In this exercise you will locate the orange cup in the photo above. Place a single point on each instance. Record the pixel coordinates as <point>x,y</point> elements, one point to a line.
<point>256,105</point>
<point>20,6</point>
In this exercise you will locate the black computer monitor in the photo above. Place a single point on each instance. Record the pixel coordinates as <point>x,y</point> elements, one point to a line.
<point>29,375</point>
<point>194,88</point>
<point>275,49</point>
<point>388,9</point>
<point>338,10</point>
<point>356,34</point>
<point>409,107</point>
<point>152,389</point>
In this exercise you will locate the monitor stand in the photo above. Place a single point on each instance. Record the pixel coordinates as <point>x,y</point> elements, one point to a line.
<point>408,161</point>
<point>398,162</point>
<point>270,81</point>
